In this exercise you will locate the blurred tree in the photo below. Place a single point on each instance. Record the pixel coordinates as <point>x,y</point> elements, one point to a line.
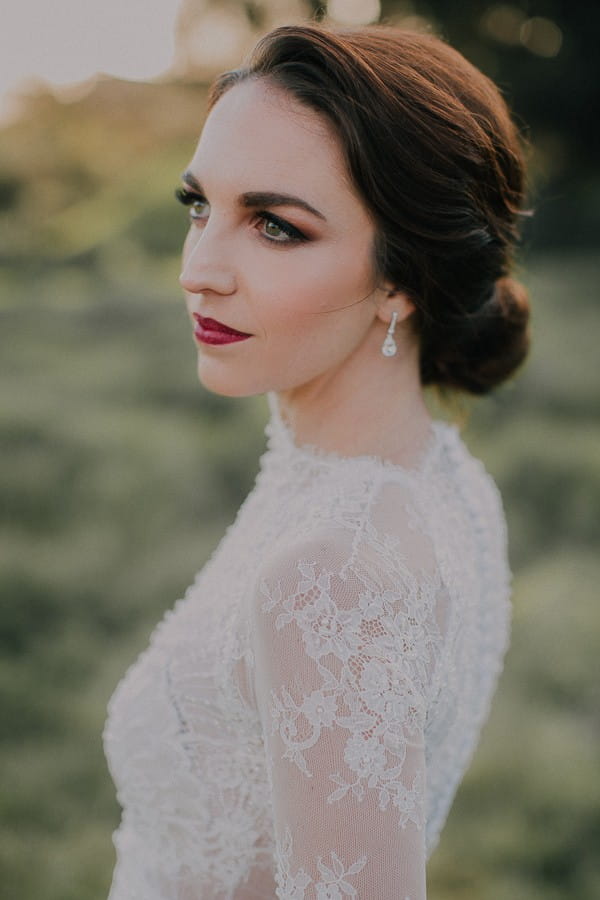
<point>543,55</point>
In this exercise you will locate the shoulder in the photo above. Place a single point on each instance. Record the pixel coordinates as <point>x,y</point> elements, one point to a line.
<point>329,544</point>
<point>479,490</point>
<point>322,598</point>
<point>308,562</point>
<point>338,568</point>
<point>459,481</point>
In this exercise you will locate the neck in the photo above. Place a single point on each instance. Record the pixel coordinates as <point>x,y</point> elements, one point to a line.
<point>370,405</point>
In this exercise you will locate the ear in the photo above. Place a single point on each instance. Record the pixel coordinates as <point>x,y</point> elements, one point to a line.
<point>394,300</point>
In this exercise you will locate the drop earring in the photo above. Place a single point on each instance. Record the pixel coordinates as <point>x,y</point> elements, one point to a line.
<point>390,347</point>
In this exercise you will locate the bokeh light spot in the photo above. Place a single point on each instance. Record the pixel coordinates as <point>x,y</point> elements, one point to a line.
<point>354,12</point>
<point>503,23</point>
<point>541,36</point>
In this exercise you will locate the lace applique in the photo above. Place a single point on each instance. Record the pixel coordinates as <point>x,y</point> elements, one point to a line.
<point>333,884</point>
<point>374,688</point>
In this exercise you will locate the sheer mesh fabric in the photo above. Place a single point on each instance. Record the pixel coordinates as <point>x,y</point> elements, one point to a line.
<point>301,720</point>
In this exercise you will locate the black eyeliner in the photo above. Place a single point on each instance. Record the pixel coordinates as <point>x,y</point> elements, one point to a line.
<point>188,198</point>
<point>288,229</point>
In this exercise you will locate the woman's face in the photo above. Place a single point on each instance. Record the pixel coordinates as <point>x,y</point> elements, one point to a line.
<point>293,272</point>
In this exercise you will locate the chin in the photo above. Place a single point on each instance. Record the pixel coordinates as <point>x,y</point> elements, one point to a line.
<point>221,380</point>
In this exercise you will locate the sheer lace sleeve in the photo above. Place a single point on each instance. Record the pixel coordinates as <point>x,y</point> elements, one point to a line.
<point>344,649</point>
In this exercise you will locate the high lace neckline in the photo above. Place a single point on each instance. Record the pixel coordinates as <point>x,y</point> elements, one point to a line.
<point>332,664</point>
<point>281,433</point>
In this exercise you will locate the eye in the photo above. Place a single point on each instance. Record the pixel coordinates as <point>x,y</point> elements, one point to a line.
<point>197,204</point>
<point>278,231</point>
<point>274,229</point>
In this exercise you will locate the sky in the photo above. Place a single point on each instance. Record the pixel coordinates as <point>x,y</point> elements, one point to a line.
<point>68,41</point>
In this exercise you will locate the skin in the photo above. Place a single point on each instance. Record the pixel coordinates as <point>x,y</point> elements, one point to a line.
<point>315,311</point>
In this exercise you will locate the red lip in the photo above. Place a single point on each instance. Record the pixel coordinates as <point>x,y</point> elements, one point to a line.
<point>209,331</point>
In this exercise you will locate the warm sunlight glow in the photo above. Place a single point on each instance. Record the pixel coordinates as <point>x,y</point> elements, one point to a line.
<point>354,12</point>
<point>69,41</point>
<point>217,39</point>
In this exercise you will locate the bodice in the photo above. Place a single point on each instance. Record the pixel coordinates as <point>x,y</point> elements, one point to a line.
<point>346,634</point>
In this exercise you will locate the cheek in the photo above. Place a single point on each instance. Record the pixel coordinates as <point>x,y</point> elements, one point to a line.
<point>314,321</point>
<point>302,294</point>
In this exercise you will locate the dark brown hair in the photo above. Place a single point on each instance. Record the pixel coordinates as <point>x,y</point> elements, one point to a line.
<point>431,148</point>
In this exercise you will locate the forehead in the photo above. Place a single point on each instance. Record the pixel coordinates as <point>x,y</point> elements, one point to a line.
<point>257,136</point>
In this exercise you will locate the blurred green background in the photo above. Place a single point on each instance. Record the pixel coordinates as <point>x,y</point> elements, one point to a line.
<point>120,472</point>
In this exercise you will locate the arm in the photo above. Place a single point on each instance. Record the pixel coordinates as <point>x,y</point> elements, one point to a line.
<point>341,657</point>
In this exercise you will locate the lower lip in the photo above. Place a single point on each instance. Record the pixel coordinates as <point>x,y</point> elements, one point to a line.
<point>205,336</point>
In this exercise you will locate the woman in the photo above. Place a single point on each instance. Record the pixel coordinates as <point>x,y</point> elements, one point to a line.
<point>301,720</point>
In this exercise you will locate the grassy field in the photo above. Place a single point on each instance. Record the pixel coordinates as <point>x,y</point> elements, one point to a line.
<point>121,475</point>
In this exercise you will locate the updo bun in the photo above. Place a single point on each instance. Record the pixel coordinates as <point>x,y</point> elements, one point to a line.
<point>478,352</point>
<point>431,148</point>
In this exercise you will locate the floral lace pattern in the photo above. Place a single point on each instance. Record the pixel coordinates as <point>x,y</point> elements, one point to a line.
<point>302,717</point>
<point>332,885</point>
<point>347,640</point>
<point>374,696</point>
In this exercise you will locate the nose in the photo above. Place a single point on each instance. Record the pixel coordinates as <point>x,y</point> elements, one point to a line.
<point>205,267</point>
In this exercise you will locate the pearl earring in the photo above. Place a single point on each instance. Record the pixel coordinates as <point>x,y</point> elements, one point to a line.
<point>389,347</point>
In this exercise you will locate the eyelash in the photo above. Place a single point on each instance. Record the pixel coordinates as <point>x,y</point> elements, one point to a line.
<point>293,234</point>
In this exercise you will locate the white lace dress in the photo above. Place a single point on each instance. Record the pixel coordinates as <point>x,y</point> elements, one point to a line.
<point>301,720</point>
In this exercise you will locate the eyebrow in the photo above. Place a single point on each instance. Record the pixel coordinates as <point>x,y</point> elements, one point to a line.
<point>253,199</point>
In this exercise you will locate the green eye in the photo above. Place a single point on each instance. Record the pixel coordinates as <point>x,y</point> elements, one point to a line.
<point>198,208</point>
<point>197,204</point>
<point>278,230</point>
<point>273,229</point>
